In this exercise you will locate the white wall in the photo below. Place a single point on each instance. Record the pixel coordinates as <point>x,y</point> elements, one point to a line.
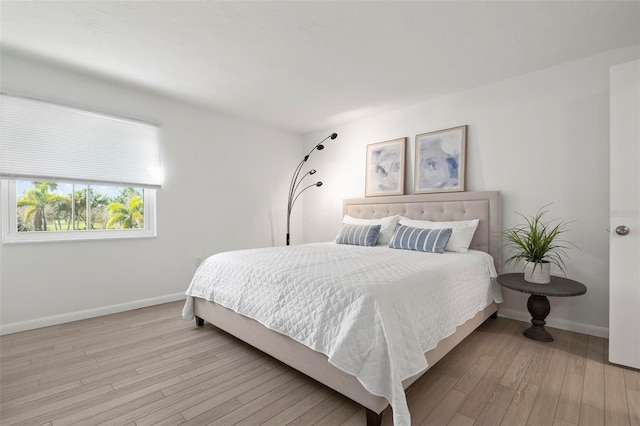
<point>539,138</point>
<point>225,188</point>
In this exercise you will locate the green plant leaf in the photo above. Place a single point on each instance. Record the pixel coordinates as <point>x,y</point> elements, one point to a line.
<point>538,241</point>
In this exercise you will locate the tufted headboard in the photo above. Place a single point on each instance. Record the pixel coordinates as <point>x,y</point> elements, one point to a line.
<point>483,205</point>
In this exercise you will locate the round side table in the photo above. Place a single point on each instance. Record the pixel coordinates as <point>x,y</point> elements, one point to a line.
<point>538,304</point>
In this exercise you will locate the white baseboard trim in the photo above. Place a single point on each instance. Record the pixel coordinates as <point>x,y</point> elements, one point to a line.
<point>578,327</point>
<point>89,313</point>
<point>562,324</point>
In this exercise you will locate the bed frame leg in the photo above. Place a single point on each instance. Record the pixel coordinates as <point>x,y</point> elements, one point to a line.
<point>199,322</point>
<point>373,418</point>
<point>494,315</point>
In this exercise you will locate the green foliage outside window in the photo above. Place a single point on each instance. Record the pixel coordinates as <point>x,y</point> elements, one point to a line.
<point>44,207</point>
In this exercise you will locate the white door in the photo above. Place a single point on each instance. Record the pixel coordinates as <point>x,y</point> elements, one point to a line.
<point>624,261</point>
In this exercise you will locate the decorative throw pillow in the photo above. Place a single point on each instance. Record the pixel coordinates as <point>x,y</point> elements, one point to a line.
<point>358,235</point>
<point>387,226</point>
<point>420,239</point>
<point>462,231</point>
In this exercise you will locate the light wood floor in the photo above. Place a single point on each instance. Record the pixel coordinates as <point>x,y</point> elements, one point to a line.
<point>148,366</point>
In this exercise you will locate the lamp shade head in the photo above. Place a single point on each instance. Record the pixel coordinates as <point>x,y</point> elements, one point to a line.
<point>312,171</point>
<point>318,183</point>
<point>334,135</point>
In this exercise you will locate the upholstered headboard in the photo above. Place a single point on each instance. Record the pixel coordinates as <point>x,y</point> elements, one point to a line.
<point>483,205</point>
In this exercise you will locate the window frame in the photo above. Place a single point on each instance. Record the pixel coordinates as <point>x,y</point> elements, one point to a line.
<point>10,234</point>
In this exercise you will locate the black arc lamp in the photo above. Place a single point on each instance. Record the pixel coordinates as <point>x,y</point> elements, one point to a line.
<point>295,182</point>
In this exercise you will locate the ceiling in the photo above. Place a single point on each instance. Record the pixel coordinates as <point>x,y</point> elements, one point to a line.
<point>309,65</point>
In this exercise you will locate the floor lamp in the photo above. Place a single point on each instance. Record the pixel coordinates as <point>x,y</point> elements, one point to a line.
<point>295,183</point>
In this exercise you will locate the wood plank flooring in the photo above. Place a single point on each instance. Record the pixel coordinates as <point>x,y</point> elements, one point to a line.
<point>149,367</point>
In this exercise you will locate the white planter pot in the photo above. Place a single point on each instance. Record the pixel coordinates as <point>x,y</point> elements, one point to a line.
<point>539,273</point>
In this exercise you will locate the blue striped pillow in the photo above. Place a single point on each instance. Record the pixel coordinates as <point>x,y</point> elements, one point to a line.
<point>429,240</point>
<point>358,235</point>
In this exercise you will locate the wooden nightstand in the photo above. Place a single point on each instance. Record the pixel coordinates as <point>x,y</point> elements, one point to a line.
<point>538,304</point>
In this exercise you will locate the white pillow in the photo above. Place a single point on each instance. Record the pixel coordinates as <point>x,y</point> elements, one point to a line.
<point>387,226</point>
<point>461,236</point>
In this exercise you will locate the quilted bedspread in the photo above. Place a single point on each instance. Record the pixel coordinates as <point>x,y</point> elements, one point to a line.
<point>373,311</point>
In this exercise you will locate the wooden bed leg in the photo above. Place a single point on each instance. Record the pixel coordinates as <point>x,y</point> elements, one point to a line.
<point>199,322</point>
<point>494,315</point>
<point>373,418</point>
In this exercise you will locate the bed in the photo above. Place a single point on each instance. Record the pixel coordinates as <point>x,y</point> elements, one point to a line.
<point>329,363</point>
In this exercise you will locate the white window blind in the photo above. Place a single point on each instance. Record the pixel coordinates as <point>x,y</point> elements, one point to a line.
<point>49,142</point>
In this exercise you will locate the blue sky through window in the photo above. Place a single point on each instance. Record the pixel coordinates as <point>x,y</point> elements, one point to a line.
<point>66,188</point>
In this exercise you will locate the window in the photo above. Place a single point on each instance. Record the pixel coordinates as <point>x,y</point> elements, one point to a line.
<point>53,211</point>
<point>74,174</point>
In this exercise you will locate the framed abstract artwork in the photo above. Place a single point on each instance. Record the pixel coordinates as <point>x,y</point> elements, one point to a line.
<point>440,161</point>
<point>385,168</point>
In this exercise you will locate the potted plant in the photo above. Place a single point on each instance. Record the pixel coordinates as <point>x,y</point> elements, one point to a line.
<point>538,243</point>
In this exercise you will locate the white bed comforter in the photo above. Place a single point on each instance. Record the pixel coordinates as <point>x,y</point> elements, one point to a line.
<point>373,311</point>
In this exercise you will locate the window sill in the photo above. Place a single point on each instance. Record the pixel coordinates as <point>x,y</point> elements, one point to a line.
<point>71,236</point>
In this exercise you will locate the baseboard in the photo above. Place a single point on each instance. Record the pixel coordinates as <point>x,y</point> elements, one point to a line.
<point>89,313</point>
<point>562,324</point>
<point>578,327</point>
